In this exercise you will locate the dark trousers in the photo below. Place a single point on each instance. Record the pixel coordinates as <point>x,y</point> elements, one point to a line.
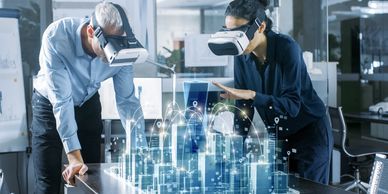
<point>47,146</point>
<point>314,146</point>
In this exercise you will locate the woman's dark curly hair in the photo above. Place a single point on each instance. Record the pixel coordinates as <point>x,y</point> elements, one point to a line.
<point>249,10</point>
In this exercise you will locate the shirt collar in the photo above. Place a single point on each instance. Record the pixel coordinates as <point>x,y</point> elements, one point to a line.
<point>79,49</point>
<point>271,44</point>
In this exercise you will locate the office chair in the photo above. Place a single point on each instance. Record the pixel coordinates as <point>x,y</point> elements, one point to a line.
<point>338,124</point>
<point>3,184</point>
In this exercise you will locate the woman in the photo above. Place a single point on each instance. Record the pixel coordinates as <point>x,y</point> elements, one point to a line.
<point>271,76</point>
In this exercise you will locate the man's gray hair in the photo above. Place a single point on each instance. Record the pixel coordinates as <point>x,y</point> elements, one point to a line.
<point>107,16</point>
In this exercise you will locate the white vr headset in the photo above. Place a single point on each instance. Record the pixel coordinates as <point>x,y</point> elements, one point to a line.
<point>233,41</point>
<point>120,50</point>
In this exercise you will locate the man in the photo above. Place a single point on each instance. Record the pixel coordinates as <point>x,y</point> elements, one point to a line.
<point>66,105</point>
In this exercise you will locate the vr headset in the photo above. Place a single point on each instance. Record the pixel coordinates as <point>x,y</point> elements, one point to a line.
<point>120,50</point>
<point>233,41</point>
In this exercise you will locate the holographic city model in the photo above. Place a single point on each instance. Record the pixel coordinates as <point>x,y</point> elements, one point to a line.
<point>188,156</point>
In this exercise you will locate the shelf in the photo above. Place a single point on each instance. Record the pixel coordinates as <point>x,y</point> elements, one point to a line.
<point>375,77</point>
<point>348,77</point>
<point>358,77</point>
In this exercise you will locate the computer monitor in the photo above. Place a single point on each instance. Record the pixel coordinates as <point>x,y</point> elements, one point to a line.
<point>147,90</point>
<point>195,96</point>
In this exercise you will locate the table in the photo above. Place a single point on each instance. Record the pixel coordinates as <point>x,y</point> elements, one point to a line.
<point>373,126</point>
<point>366,117</point>
<point>98,182</point>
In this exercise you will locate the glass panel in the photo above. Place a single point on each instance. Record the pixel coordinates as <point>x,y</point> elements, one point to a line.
<point>29,24</point>
<point>373,37</point>
<point>306,22</point>
<point>30,31</point>
<point>358,39</point>
<point>180,22</point>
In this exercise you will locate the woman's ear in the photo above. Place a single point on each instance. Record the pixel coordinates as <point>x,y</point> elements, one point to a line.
<point>90,31</point>
<point>262,27</point>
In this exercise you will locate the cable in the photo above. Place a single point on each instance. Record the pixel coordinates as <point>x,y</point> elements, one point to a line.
<point>28,151</point>
<point>27,173</point>
<point>17,171</point>
<point>28,161</point>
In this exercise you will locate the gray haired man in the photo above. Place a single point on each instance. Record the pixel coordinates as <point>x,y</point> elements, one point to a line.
<point>66,104</point>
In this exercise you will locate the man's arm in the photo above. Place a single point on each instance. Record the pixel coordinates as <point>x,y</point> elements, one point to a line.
<point>129,107</point>
<point>60,95</point>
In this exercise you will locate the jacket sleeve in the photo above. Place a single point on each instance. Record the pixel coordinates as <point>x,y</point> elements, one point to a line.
<point>244,110</point>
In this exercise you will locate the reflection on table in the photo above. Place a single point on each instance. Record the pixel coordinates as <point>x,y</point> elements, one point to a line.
<point>97,180</point>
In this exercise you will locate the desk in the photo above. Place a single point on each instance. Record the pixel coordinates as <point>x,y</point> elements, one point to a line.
<point>366,117</point>
<point>98,182</point>
<point>373,127</point>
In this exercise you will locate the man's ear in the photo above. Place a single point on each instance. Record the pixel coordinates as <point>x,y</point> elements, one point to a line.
<point>90,31</point>
<point>262,27</point>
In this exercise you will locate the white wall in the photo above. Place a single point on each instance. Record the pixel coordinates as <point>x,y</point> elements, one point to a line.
<point>286,22</point>
<point>173,24</point>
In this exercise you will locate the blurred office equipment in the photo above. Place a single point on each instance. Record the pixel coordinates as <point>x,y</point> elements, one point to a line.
<point>147,90</point>
<point>364,56</point>
<point>3,184</point>
<point>379,177</point>
<point>195,98</point>
<point>324,79</point>
<point>340,134</point>
<point>13,117</point>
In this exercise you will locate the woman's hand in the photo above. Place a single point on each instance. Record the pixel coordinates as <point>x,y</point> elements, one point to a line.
<point>235,94</point>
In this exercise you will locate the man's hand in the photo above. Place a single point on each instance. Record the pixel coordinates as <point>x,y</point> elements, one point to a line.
<point>76,166</point>
<point>236,94</point>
